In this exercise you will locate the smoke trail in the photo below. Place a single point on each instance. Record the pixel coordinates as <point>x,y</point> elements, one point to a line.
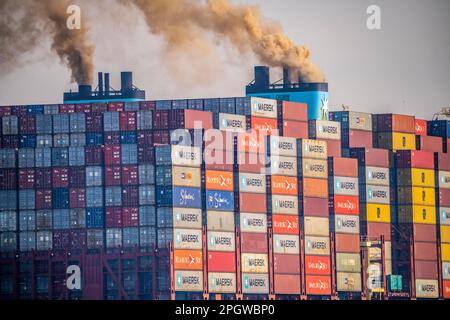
<point>184,22</point>
<point>25,23</point>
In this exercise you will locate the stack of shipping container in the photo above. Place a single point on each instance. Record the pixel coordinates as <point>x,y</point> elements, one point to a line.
<point>356,129</point>
<point>394,132</point>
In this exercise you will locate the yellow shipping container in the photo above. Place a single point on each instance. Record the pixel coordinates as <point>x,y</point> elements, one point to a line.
<point>424,196</point>
<point>445,233</point>
<point>422,177</point>
<point>424,214</point>
<point>403,141</point>
<point>378,212</point>
<point>445,251</point>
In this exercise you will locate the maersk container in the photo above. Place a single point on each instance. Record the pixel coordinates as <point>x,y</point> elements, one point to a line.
<point>444,216</point>
<point>27,220</point>
<point>321,129</point>
<point>375,175</point>
<point>8,200</point>
<point>286,244</point>
<point>255,283</point>
<point>317,246</point>
<point>346,186</point>
<point>187,239</point>
<point>185,218</point>
<point>376,194</point>
<point>220,241</point>
<point>313,149</point>
<point>346,224</point>
<point>253,222</point>
<point>229,122</point>
<point>26,158</point>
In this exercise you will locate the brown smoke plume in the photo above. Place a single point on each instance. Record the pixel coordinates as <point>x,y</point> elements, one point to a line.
<point>185,22</point>
<point>25,23</point>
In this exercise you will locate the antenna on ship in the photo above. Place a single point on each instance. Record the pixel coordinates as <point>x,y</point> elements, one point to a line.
<point>445,113</point>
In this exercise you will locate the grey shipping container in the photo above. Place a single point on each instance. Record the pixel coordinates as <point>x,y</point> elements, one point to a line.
<point>77,218</point>
<point>95,238</point>
<point>26,158</point>
<point>77,122</point>
<point>164,236</point>
<point>147,236</point>
<point>44,240</point>
<point>111,121</point>
<point>132,106</point>
<point>27,220</point>
<point>43,157</point>
<point>44,219</point>
<point>61,123</point>
<point>7,158</point>
<point>10,125</point>
<point>76,156</point>
<point>8,221</point>
<point>146,174</point>
<point>44,140</point>
<point>78,140</point>
<point>27,199</point>
<point>27,241</point>
<point>51,109</point>
<point>94,176</point>
<point>60,157</point>
<point>113,196</point>
<point>61,140</point>
<point>144,120</point>
<point>164,217</point>
<point>146,195</point>
<point>61,219</point>
<point>113,238</point>
<point>8,200</point>
<point>94,197</point>
<point>130,237</point>
<point>8,241</point>
<point>44,124</point>
<point>129,154</point>
<point>147,216</point>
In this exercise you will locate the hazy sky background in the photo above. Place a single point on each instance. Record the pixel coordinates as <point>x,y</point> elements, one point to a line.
<point>403,68</point>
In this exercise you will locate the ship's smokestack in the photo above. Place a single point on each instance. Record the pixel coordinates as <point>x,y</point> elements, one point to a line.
<point>126,80</point>
<point>107,85</point>
<point>85,90</point>
<point>100,83</point>
<point>262,76</point>
<point>286,76</point>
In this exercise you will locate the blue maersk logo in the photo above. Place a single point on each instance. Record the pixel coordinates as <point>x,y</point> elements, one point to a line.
<point>369,193</point>
<point>243,183</point>
<point>246,282</point>
<point>338,184</point>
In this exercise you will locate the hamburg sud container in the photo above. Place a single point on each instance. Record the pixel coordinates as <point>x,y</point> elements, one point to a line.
<point>442,163</point>
<point>252,213</point>
<point>344,189</point>
<point>283,205</point>
<point>328,131</point>
<point>314,215</point>
<point>293,119</point>
<point>416,215</point>
<point>356,128</point>
<point>375,209</point>
<point>262,116</point>
<point>394,132</point>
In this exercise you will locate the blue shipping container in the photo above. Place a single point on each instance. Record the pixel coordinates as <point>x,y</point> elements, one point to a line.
<point>186,197</point>
<point>95,218</point>
<point>220,200</point>
<point>28,141</point>
<point>94,139</point>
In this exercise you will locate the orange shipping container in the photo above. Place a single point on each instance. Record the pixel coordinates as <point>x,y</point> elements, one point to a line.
<point>294,111</point>
<point>283,224</point>
<point>219,180</point>
<point>295,129</point>
<point>285,185</point>
<point>421,127</point>
<point>188,260</point>
<point>317,265</point>
<point>318,285</point>
<point>202,119</point>
<point>265,126</point>
<point>315,188</point>
<point>287,284</point>
<point>346,205</point>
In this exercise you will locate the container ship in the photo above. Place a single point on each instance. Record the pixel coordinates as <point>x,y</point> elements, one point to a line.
<point>110,196</point>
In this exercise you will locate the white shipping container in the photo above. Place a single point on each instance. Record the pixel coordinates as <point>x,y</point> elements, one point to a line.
<point>346,186</point>
<point>253,222</point>
<point>186,156</point>
<point>446,270</point>
<point>314,168</point>
<point>444,179</point>
<point>219,282</point>
<point>284,205</point>
<point>189,281</point>
<point>348,262</point>
<point>377,194</point>
<point>283,146</point>
<point>232,122</point>
<point>286,244</point>
<point>219,220</point>
<point>314,149</point>
<point>187,239</point>
<point>377,176</point>
<point>187,218</point>
<point>221,241</point>
<point>319,246</point>
<point>252,182</point>
<point>360,121</point>
<point>315,226</point>
<point>347,224</point>
<point>444,216</point>
<point>427,288</point>
<point>284,166</point>
<point>265,108</point>
<point>255,283</point>
<point>330,130</point>
<point>254,263</point>
<point>348,282</point>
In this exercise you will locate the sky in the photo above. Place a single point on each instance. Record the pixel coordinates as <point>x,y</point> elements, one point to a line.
<point>402,68</point>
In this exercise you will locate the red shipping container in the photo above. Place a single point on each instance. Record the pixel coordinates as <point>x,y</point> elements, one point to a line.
<point>334,148</point>
<point>61,239</point>
<point>27,124</point>
<point>128,121</point>
<point>318,285</point>
<point>112,155</point>
<point>345,167</point>
<point>145,138</point>
<point>287,284</point>
<point>315,207</point>
<point>221,261</point>
<point>360,139</point>
<point>443,161</point>
<point>130,196</point>
<point>286,263</point>
<point>77,239</point>
<point>251,162</point>
<point>347,243</point>
<point>116,106</point>
<point>27,179</point>
<point>294,111</point>
<point>93,156</point>
<point>295,129</point>
<point>113,217</point>
<point>5,111</point>
<point>83,108</point>
<point>43,199</point>
<point>377,229</point>
<point>444,197</point>
<point>425,251</point>
<point>415,159</point>
<point>252,202</point>
<point>77,177</point>
<point>317,265</point>
<point>146,155</point>
<point>345,204</point>
<point>161,137</point>
<point>147,105</point>
<point>43,178</point>
<point>254,242</point>
<point>113,176</point>
<point>421,127</point>
<point>130,175</point>
<point>60,177</point>
<point>8,179</point>
<point>161,119</point>
<point>446,289</point>
<point>99,107</point>
<point>130,217</point>
<point>221,160</point>
<point>66,108</point>
<point>203,119</point>
<point>285,224</point>
<point>375,158</point>
<point>430,144</point>
<point>94,122</point>
<point>77,198</point>
<point>422,232</point>
<point>426,269</point>
<point>264,126</point>
<point>111,138</point>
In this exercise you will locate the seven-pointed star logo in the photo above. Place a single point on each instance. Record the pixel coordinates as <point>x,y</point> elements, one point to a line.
<point>324,108</point>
